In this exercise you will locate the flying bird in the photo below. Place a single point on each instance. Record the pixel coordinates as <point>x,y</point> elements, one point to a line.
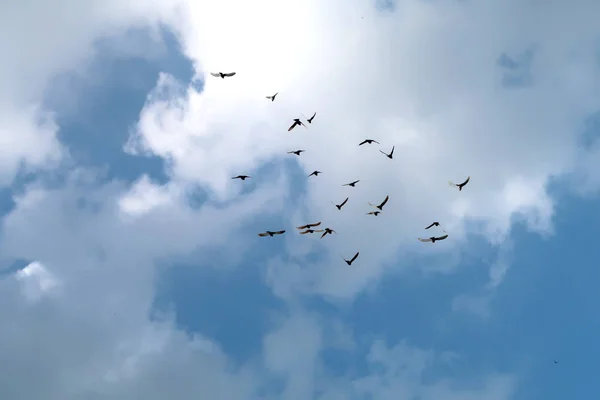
<point>555,362</point>
<point>349,262</point>
<point>433,239</point>
<point>391,155</point>
<point>380,207</point>
<point>222,74</point>
<point>296,152</point>
<point>296,123</point>
<point>327,230</point>
<point>310,120</point>
<point>351,184</point>
<point>339,206</point>
<point>311,231</point>
<point>460,185</point>
<point>272,98</point>
<point>368,141</point>
<point>315,173</point>
<point>433,224</point>
<point>271,233</point>
<point>242,177</point>
<point>307,226</point>
<point>375,213</point>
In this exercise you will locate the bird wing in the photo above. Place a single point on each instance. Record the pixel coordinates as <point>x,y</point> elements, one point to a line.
<point>376,141</point>
<point>344,202</point>
<point>263,234</point>
<point>315,224</point>
<point>363,142</point>
<point>465,182</point>
<point>303,233</point>
<point>430,226</point>
<point>302,227</point>
<point>236,177</point>
<point>371,213</point>
<point>293,126</point>
<point>323,235</point>
<point>312,174</point>
<point>230,74</point>
<point>441,237</point>
<point>382,152</point>
<point>279,232</point>
<point>424,240</point>
<point>355,182</point>
<point>318,230</point>
<point>451,184</point>
<point>385,201</point>
<point>355,257</point>
<point>215,74</point>
<point>392,152</point>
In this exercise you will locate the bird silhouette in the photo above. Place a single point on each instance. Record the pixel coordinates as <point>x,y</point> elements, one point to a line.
<point>391,155</point>
<point>272,98</point>
<point>339,206</point>
<point>555,362</point>
<point>307,226</point>
<point>349,262</point>
<point>310,120</point>
<point>315,173</point>
<point>460,185</point>
<point>433,224</point>
<point>271,233</point>
<point>222,74</point>
<point>296,123</point>
<point>375,213</point>
<point>351,184</point>
<point>433,239</point>
<point>311,231</point>
<point>380,207</point>
<point>242,177</point>
<point>368,141</point>
<point>327,230</point>
<point>296,152</point>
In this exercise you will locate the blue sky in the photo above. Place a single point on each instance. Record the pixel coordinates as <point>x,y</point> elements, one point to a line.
<point>132,267</point>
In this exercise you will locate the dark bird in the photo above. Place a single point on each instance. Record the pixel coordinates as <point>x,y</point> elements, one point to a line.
<point>433,224</point>
<point>460,185</point>
<point>310,120</point>
<point>296,152</point>
<point>311,231</point>
<point>272,98</point>
<point>242,177</point>
<point>315,173</point>
<point>327,230</point>
<point>391,155</point>
<point>307,226</point>
<point>339,206</point>
<point>380,207</point>
<point>349,262</point>
<point>555,362</point>
<point>222,74</point>
<point>433,239</point>
<point>351,184</point>
<point>296,123</point>
<point>375,213</point>
<point>271,233</point>
<point>368,141</point>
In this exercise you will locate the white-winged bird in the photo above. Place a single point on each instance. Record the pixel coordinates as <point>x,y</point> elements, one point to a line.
<point>433,239</point>
<point>271,233</point>
<point>380,207</point>
<point>272,98</point>
<point>460,185</point>
<point>375,213</point>
<point>222,74</point>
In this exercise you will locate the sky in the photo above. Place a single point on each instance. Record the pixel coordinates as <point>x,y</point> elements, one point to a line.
<point>130,265</point>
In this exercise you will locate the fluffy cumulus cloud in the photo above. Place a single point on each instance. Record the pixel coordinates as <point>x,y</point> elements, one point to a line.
<point>492,90</point>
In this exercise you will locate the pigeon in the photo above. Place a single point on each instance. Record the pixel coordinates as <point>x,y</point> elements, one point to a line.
<point>380,207</point>
<point>296,152</point>
<point>272,98</point>
<point>391,155</point>
<point>315,173</point>
<point>307,226</point>
<point>352,184</point>
<point>222,75</point>
<point>242,177</point>
<point>296,123</point>
<point>271,233</point>
<point>339,206</point>
<point>368,141</point>
<point>327,230</point>
<point>349,262</point>
<point>433,239</point>
<point>460,185</point>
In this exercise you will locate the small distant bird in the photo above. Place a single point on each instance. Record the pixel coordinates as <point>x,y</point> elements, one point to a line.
<point>460,185</point>
<point>272,98</point>
<point>271,233</point>
<point>242,177</point>
<point>315,173</point>
<point>380,207</point>
<point>391,155</point>
<point>368,141</point>
<point>296,152</point>
<point>349,262</point>
<point>296,123</point>
<point>222,74</point>
<point>433,224</point>
<point>375,213</point>
<point>311,231</point>
<point>327,230</point>
<point>352,184</point>
<point>555,362</point>
<point>339,206</point>
<point>307,226</point>
<point>310,120</point>
<point>433,239</point>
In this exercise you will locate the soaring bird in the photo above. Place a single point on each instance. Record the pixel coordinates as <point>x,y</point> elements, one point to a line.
<point>307,226</point>
<point>296,123</point>
<point>315,173</point>
<point>327,230</point>
<point>380,207</point>
<point>311,231</point>
<point>222,74</point>
<point>368,141</point>
<point>271,233</point>
<point>349,262</point>
<point>242,177</point>
<point>433,224</point>
<point>310,120</point>
<point>296,152</point>
<point>460,185</point>
<point>272,98</point>
<point>339,206</point>
<point>351,184</point>
<point>375,213</point>
<point>433,239</point>
<point>391,155</point>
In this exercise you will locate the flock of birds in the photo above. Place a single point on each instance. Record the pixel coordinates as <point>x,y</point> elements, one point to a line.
<point>308,228</point>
